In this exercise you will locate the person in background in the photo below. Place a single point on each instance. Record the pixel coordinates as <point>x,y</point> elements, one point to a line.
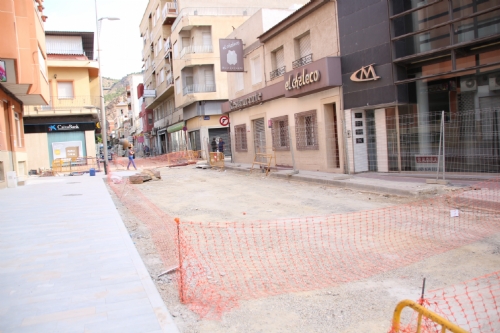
<point>221,145</point>
<point>130,155</point>
<point>214,145</point>
<point>146,150</point>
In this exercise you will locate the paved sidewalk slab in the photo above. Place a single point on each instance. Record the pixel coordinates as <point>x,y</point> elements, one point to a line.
<point>67,263</point>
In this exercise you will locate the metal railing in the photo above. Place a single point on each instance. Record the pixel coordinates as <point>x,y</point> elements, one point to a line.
<point>170,8</point>
<point>214,11</point>
<point>198,88</point>
<point>168,45</point>
<point>195,49</point>
<point>170,80</point>
<point>85,102</point>
<point>302,61</point>
<point>277,73</point>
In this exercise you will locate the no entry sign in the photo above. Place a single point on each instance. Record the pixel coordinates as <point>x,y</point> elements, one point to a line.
<point>224,120</point>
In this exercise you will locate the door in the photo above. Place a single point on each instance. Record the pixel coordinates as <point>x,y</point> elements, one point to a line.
<point>221,133</point>
<point>7,125</point>
<point>259,137</point>
<point>371,140</point>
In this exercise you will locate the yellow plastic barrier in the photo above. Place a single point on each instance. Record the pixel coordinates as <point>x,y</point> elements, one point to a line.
<point>422,312</point>
<point>75,164</point>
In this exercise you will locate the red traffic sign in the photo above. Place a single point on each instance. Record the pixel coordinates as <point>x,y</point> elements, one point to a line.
<point>224,120</point>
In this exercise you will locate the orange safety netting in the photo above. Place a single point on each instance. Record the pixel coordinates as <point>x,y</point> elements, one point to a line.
<point>180,158</point>
<point>225,262</point>
<point>472,305</point>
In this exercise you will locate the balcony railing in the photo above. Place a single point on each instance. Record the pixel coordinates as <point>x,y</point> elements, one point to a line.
<point>168,45</point>
<point>214,11</point>
<point>170,80</point>
<point>59,105</point>
<point>198,88</point>
<point>277,73</point>
<point>196,49</point>
<point>302,61</point>
<point>170,8</point>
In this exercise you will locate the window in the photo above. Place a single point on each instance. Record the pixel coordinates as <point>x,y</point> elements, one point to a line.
<point>207,41</point>
<point>65,90</point>
<point>176,50</point>
<point>306,130</point>
<point>188,85</point>
<point>150,119</point>
<point>256,71</point>
<point>209,80</point>
<point>278,58</point>
<point>157,13</point>
<point>240,84</point>
<point>178,85</point>
<point>19,143</point>
<point>41,61</point>
<point>159,45</point>
<point>154,18</point>
<point>162,75</point>
<point>305,45</point>
<point>280,133</point>
<point>240,138</point>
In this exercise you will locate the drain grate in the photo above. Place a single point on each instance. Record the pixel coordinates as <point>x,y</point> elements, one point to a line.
<point>71,195</point>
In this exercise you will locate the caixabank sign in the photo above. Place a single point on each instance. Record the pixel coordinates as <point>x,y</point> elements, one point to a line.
<point>59,127</point>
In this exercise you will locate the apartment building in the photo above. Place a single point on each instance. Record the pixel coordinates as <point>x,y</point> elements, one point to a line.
<point>66,127</point>
<point>421,83</point>
<point>134,108</point>
<point>23,81</point>
<point>287,102</point>
<point>183,84</point>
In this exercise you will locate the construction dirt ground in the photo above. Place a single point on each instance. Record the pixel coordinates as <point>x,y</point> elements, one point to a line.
<point>365,305</point>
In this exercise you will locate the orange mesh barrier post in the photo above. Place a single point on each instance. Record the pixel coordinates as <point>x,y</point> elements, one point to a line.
<point>472,305</point>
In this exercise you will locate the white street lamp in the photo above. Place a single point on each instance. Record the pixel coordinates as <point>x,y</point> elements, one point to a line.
<point>104,126</point>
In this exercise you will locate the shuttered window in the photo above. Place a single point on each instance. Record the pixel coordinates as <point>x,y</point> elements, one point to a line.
<point>279,58</point>
<point>64,90</point>
<point>305,45</point>
<point>256,71</point>
<point>209,79</point>
<point>207,39</point>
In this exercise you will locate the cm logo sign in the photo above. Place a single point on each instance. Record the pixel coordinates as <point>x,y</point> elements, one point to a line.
<point>366,73</point>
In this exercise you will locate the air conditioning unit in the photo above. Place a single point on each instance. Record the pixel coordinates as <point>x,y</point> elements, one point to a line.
<point>495,82</point>
<point>468,84</point>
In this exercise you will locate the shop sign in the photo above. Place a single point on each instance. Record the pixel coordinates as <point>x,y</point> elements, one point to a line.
<point>149,93</point>
<point>66,127</point>
<point>365,73</point>
<point>231,55</point>
<point>302,80</point>
<point>175,128</point>
<point>245,102</point>
<point>426,162</point>
<point>3,72</point>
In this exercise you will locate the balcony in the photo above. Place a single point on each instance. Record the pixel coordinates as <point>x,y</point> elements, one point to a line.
<point>214,11</point>
<point>277,73</point>
<point>64,106</point>
<point>198,88</point>
<point>195,49</point>
<point>302,61</point>
<point>168,45</point>
<point>169,12</point>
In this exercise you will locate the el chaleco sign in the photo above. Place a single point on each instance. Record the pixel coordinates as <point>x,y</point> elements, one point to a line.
<point>301,80</point>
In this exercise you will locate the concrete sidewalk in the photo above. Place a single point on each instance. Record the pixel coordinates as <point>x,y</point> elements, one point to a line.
<point>402,184</point>
<point>67,263</point>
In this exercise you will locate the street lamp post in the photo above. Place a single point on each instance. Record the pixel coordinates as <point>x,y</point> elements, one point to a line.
<point>104,126</point>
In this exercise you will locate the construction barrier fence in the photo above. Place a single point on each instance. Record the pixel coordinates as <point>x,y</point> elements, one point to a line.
<point>220,264</point>
<point>74,164</point>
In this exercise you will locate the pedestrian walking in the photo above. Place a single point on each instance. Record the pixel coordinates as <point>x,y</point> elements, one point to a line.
<point>221,145</point>
<point>214,145</point>
<point>130,155</point>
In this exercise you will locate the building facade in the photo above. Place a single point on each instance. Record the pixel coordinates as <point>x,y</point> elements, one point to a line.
<point>287,102</point>
<point>66,127</point>
<point>420,83</point>
<point>23,80</point>
<point>183,84</point>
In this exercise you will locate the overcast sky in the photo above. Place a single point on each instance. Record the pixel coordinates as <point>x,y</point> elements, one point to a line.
<point>121,45</point>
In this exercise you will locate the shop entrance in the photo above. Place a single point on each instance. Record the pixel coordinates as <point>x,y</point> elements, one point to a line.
<point>221,133</point>
<point>259,138</point>
<point>332,137</point>
<point>371,140</point>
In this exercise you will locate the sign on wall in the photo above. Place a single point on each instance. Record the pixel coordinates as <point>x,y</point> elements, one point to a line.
<point>365,73</point>
<point>67,149</point>
<point>231,55</point>
<point>3,72</point>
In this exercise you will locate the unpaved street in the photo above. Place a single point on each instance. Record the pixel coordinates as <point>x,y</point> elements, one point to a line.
<point>362,306</point>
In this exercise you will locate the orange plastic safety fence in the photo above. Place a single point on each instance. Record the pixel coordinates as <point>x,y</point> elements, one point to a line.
<point>222,263</point>
<point>472,305</point>
<point>171,159</point>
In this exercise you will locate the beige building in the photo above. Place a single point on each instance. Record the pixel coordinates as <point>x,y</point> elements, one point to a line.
<point>183,83</point>
<point>66,127</point>
<point>288,101</point>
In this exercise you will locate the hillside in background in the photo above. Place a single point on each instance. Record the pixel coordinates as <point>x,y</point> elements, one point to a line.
<point>117,92</point>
